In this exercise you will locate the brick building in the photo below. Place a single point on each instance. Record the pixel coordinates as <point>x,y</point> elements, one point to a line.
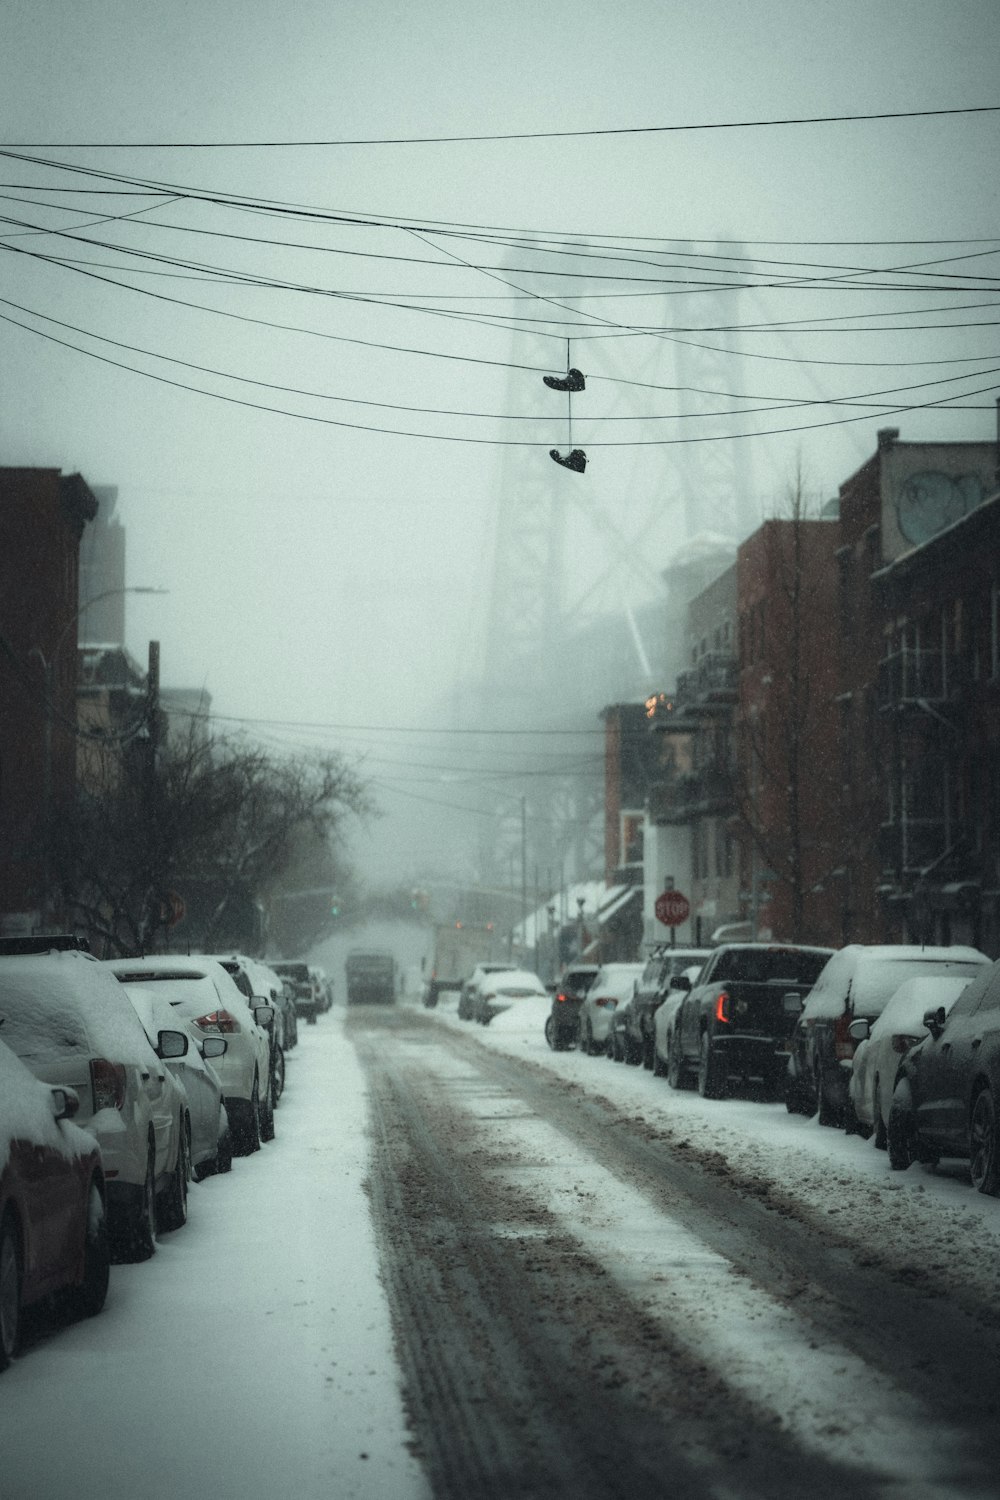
<point>786,772</point>
<point>42,517</point>
<point>903,497</point>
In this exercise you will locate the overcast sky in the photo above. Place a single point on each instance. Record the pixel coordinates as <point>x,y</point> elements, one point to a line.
<point>340,574</point>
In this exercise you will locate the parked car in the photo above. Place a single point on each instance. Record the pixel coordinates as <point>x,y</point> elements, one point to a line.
<point>53,1221</point>
<point>67,1019</point>
<point>947,1099</point>
<point>261,986</point>
<point>613,985</point>
<point>663,1020</point>
<point>470,988</point>
<point>857,982</point>
<point>738,1017</point>
<point>499,992</point>
<point>880,1046</point>
<point>323,987</point>
<point>307,1000</point>
<point>633,1029</point>
<point>203,993</point>
<point>562,1027</point>
<point>209,1143</point>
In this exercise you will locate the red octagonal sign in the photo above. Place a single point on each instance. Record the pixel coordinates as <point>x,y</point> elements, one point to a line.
<point>672,908</point>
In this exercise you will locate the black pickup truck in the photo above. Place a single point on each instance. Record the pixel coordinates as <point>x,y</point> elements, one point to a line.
<point>737,1020</point>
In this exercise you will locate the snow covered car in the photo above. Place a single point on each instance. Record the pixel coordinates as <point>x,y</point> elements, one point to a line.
<point>260,985</point>
<point>53,1227</point>
<point>562,1028</point>
<point>664,1020</point>
<point>67,1019</point>
<point>613,986</point>
<point>499,992</point>
<point>632,1033</point>
<point>947,1098</point>
<point>202,992</point>
<point>468,999</point>
<point>882,1044</point>
<point>857,982</point>
<point>208,1140</point>
<point>299,976</point>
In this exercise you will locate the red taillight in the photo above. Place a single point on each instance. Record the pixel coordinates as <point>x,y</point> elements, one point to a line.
<point>562,997</point>
<point>722,1007</point>
<point>843,1042</point>
<point>606,1001</point>
<point>107,1079</point>
<point>218,1020</point>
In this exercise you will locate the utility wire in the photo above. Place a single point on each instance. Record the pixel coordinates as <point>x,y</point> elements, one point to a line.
<point>514,135</point>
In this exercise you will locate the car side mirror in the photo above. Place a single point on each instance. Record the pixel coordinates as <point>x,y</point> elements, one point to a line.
<point>934,1021</point>
<point>171,1044</point>
<point>214,1046</point>
<point>859,1030</point>
<point>264,1016</point>
<point>65,1103</point>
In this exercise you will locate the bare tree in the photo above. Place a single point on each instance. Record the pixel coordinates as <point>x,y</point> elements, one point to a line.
<point>219,813</point>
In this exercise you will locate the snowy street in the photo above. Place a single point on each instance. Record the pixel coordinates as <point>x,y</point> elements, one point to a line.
<point>600,1287</point>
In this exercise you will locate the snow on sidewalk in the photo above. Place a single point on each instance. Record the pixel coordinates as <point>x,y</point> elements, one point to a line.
<point>252,1356</point>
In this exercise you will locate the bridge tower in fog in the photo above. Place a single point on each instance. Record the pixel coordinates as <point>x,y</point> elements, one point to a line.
<point>576,554</point>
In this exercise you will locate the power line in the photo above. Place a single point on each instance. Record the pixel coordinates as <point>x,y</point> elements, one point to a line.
<point>515,135</point>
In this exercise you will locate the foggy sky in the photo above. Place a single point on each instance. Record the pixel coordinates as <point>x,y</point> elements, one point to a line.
<point>341,576</point>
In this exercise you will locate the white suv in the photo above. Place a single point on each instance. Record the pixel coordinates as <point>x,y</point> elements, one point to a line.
<point>204,994</point>
<point>71,1024</point>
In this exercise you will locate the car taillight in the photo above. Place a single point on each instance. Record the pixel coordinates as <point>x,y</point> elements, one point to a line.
<point>562,997</point>
<point>722,1007</point>
<point>606,1002</point>
<point>843,1042</point>
<point>107,1079</point>
<point>218,1020</point>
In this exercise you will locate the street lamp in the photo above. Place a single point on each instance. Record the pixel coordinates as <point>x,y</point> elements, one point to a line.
<point>49,665</point>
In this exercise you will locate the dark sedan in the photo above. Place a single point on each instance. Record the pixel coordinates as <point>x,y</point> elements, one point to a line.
<point>947,1098</point>
<point>53,1229</point>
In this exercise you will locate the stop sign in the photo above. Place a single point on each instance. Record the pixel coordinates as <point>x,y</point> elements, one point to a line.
<point>672,908</point>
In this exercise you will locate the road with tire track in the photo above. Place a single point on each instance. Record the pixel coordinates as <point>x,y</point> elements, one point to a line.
<point>587,1306</point>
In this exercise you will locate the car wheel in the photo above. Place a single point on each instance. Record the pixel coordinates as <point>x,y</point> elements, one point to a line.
<point>137,1239</point>
<point>224,1155</point>
<point>648,1051</point>
<point>880,1134</point>
<point>586,1039</point>
<point>173,1208</point>
<point>246,1132</point>
<point>10,1290</point>
<point>550,1033</point>
<point>87,1299</point>
<point>267,1118</point>
<point>984,1153</point>
<point>632,1050</point>
<point>899,1132</point>
<point>711,1078</point>
<point>852,1125</point>
<point>277,1076</point>
<point>828,1115</point>
<point>675,1073</point>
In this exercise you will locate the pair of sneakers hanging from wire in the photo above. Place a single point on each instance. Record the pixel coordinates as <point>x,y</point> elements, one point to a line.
<point>573,380</point>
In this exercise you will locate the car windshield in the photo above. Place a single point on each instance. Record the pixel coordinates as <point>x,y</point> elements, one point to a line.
<point>771,965</point>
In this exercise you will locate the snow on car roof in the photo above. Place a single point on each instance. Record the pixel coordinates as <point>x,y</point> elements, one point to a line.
<point>52,1004</point>
<point>905,1010</point>
<point>512,979</point>
<point>873,974</point>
